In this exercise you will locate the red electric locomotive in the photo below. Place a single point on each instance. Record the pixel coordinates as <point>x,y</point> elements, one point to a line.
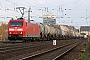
<point>21,29</point>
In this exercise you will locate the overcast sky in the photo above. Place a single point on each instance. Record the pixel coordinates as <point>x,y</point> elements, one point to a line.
<point>71,12</point>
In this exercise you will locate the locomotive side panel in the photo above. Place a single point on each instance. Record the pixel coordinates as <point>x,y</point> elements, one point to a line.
<point>33,30</point>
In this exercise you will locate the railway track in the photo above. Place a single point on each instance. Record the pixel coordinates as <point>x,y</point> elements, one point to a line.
<point>50,54</point>
<point>19,51</point>
<point>65,52</point>
<point>20,47</point>
<point>6,52</point>
<point>7,41</point>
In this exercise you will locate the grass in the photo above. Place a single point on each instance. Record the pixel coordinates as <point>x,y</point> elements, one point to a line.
<point>3,45</point>
<point>84,56</point>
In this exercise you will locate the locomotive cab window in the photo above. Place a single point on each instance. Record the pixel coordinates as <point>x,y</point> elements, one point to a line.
<point>16,23</point>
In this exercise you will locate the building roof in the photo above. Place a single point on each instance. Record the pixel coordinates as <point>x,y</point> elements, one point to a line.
<point>85,28</point>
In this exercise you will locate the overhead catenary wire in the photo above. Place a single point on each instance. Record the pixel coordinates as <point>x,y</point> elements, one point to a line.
<point>13,11</point>
<point>76,7</point>
<point>71,3</point>
<point>11,2</point>
<point>37,8</point>
<point>62,9</point>
<point>57,9</point>
<point>7,8</point>
<point>39,3</point>
<point>28,3</point>
<point>79,4</point>
<point>10,12</point>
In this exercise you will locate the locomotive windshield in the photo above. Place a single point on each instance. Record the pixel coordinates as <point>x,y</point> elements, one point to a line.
<point>16,23</point>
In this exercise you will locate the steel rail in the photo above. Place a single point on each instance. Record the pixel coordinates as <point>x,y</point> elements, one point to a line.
<point>35,55</point>
<point>62,54</point>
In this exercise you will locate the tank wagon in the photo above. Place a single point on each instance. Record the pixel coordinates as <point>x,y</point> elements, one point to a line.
<point>20,29</point>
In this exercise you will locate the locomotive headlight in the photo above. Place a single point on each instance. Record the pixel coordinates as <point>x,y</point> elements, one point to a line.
<point>10,32</point>
<point>20,32</point>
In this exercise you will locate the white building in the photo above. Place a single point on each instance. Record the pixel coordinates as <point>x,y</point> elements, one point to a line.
<point>49,19</point>
<point>85,29</point>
